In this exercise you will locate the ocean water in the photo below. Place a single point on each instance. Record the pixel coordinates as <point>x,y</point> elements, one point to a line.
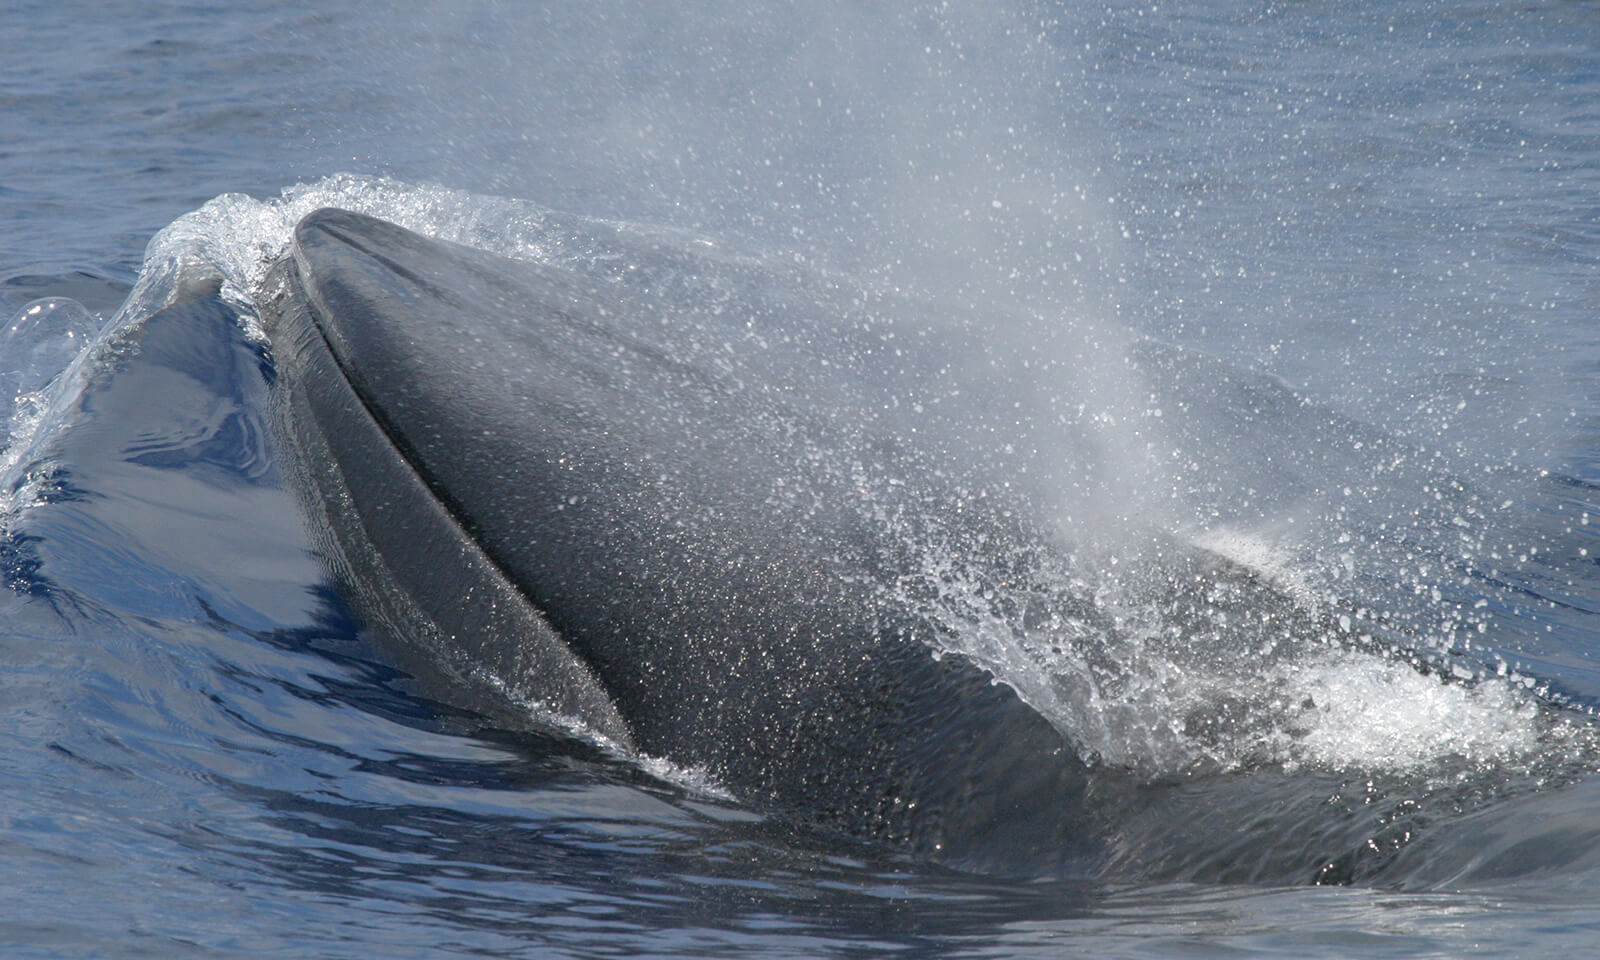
<point>1338,262</point>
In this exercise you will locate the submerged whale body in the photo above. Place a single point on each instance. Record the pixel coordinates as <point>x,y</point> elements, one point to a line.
<point>662,525</point>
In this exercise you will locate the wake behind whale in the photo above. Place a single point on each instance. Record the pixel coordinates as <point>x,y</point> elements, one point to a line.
<point>868,564</point>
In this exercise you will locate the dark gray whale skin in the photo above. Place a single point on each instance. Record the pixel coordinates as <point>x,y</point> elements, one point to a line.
<point>536,473</point>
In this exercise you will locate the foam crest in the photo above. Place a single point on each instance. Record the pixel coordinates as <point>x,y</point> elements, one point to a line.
<point>1354,712</point>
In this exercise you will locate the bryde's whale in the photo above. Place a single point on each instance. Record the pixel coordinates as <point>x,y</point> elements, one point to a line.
<point>663,523</point>
<point>798,534</point>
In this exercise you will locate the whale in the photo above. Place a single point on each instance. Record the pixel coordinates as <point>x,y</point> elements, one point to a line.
<point>666,524</point>
<point>812,543</point>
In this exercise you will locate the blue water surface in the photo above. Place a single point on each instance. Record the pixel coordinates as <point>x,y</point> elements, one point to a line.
<point>1393,208</point>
